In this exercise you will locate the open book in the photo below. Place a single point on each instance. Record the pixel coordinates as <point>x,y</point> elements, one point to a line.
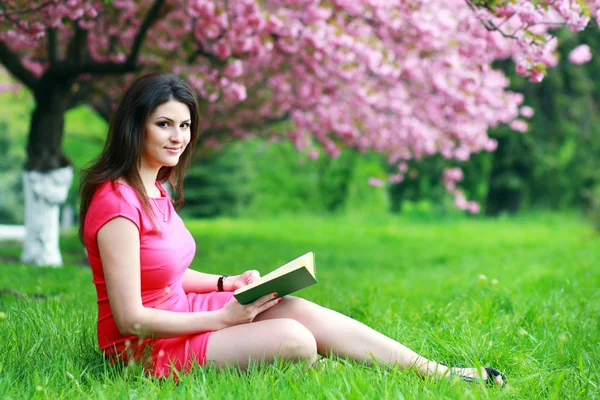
<point>293,276</point>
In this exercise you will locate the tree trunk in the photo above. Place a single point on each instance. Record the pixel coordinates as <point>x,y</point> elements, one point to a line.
<point>44,193</point>
<point>48,174</point>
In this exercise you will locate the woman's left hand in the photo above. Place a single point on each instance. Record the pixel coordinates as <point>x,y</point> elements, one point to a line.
<point>232,283</point>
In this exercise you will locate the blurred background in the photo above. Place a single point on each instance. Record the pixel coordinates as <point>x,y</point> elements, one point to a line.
<point>552,167</point>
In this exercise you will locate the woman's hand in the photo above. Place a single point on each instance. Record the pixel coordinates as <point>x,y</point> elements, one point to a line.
<point>234,313</point>
<point>232,283</point>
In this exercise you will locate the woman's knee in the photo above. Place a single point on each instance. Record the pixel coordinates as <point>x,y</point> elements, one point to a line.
<point>296,341</point>
<point>300,309</point>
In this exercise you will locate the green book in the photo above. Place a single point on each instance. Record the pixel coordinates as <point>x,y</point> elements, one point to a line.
<point>291,277</point>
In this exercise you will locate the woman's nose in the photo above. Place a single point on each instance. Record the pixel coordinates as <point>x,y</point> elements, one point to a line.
<point>177,135</point>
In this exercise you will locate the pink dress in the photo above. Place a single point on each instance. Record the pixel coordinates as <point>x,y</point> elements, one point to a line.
<point>165,254</point>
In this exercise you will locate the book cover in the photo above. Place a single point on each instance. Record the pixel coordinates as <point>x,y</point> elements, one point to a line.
<point>289,278</point>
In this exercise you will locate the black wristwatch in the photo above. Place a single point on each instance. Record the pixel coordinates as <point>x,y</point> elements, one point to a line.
<point>220,282</point>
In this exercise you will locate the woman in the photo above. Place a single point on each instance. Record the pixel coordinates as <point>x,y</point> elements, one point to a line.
<point>151,306</point>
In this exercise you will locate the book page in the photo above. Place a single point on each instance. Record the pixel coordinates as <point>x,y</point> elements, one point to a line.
<point>309,262</point>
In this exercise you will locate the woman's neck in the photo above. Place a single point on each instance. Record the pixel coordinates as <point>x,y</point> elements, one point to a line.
<point>148,177</point>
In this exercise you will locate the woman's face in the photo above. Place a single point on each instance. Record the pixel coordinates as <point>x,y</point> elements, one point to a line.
<point>167,133</point>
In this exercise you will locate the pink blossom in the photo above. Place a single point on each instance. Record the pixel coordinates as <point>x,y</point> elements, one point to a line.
<point>473,207</point>
<point>9,87</point>
<point>580,54</point>
<point>396,178</point>
<point>407,80</point>
<point>212,143</point>
<point>462,153</point>
<point>460,201</point>
<point>222,49</point>
<point>213,97</point>
<point>453,174</point>
<point>235,93</point>
<point>376,182</point>
<point>522,67</point>
<point>526,112</point>
<point>450,177</point>
<point>234,69</point>
<point>536,75</point>
<point>490,145</point>
<point>519,125</point>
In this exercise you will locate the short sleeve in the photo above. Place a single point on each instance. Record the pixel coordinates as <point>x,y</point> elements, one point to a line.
<point>111,201</point>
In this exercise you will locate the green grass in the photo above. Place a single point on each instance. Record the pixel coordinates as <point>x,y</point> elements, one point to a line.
<point>519,294</point>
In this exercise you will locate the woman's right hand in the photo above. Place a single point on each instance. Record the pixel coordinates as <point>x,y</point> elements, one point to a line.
<point>235,313</point>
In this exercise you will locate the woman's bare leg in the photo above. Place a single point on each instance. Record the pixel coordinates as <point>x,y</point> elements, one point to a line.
<point>261,341</point>
<point>343,336</point>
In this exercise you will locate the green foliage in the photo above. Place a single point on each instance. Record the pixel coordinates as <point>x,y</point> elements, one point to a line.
<point>280,180</point>
<point>218,184</point>
<point>423,185</point>
<point>592,209</point>
<point>11,193</point>
<point>520,294</point>
<point>283,180</point>
<point>85,133</point>
<point>334,179</point>
<point>362,197</point>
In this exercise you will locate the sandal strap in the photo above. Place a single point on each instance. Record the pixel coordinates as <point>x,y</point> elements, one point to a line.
<point>492,374</point>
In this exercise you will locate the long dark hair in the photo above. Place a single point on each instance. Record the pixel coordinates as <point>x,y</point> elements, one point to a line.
<point>122,154</point>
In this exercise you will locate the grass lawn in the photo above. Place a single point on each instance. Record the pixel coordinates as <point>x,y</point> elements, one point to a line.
<point>519,294</point>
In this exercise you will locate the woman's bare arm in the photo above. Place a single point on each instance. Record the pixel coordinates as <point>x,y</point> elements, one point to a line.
<point>119,245</point>
<point>199,282</point>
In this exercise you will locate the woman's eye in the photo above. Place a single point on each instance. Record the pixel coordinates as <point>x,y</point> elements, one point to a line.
<point>163,124</point>
<point>185,125</point>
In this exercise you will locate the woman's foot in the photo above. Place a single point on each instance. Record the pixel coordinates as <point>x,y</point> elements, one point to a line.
<point>489,376</point>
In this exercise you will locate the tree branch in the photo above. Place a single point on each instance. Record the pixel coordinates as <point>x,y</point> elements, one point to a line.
<point>27,10</point>
<point>200,52</point>
<point>139,39</point>
<point>104,68</point>
<point>19,24</point>
<point>52,46</point>
<point>489,24</point>
<point>78,64</point>
<point>83,90</point>
<point>12,63</point>
<point>77,46</point>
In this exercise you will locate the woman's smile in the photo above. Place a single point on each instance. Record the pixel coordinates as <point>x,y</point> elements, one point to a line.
<point>173,150</point>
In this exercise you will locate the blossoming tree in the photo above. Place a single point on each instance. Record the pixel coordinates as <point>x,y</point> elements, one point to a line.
<point>408,79</point>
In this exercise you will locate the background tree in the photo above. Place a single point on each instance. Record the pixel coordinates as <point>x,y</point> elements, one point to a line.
<point>556,161</point>
<point>408,80</point>
<point>553,165</point>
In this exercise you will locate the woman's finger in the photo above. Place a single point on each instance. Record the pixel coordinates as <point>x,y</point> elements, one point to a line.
<point>252,276</point>
<point>262,300</point>
<point>267,305</point>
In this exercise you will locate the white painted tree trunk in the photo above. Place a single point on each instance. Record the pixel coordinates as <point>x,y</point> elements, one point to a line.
<point>44,193</point>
